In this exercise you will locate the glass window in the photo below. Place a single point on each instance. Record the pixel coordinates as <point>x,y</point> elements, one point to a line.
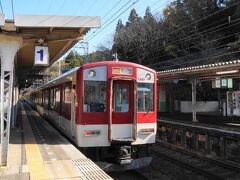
<point>94,96</point>
<point>121,101</point>
<point>66,101</point>
<point>57,101</point>
<point>145,97</point>
<point>52,99</point>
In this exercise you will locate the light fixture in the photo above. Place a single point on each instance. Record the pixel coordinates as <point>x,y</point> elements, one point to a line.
<point>227,72</point>
<point>92,73</point>
<point>147,76</point>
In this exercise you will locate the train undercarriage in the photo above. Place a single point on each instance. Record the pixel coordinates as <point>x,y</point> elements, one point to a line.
<point>120,157</point>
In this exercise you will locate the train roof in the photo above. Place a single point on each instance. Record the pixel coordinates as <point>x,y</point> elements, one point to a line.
<point>64,76</point>
<point>56,81</point>
<point>102,63</point>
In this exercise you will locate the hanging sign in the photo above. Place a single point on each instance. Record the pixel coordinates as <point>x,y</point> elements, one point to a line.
<point>222,83</point>
<point>41,56</point>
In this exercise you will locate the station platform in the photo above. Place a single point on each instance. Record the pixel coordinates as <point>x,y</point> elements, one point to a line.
<point>38,151</point>
<point>213,119</point>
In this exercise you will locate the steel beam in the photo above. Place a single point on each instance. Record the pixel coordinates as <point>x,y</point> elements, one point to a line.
<point>194,113</point>
<point>9,46</point>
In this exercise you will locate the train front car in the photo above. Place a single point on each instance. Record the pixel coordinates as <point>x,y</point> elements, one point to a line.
<point>117,111</point>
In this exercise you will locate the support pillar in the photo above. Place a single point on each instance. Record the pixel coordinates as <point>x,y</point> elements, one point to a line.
<point>194,115</point>
<point>9,46</point>
<point>162,97</point>
<point>15,106</point>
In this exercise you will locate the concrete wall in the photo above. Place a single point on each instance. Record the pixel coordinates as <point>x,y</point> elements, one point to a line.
<point>201,106</point>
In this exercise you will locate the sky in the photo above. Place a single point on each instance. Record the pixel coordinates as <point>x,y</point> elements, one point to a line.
<point>108,10</point>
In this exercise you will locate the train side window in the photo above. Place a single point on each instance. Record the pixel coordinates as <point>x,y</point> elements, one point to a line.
<point>94,96</point>
<point>57,99</point>
<point>145,97</point>
<point>66,101</point>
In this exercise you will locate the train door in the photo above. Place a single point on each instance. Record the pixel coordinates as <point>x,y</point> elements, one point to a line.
<point>73,110</point>
<point>61,106</point>
<point>123,110</point>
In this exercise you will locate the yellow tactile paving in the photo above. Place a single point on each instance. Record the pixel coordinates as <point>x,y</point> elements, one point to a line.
<point>36,165</point>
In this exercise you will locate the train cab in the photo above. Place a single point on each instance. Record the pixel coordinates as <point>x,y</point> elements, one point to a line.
<point>117,106</point>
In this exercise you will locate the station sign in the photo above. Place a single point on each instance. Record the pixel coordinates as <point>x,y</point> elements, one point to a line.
<point>41,56</point>
<point>222,83</point>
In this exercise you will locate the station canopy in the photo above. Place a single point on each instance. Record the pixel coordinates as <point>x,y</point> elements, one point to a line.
<point>58,33</point>
<point>229,69</point>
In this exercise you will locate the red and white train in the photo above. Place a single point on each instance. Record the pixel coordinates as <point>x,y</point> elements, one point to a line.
<point>106,106</point>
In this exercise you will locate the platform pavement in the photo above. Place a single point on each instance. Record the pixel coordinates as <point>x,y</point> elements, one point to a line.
<point>33,157</point>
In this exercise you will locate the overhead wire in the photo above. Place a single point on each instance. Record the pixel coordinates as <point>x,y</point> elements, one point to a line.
<point>197,60</point>
<point>192,54</point>
<point>174,31</point>
<point>105,14</point>
<point>113,20</point>
<point>154,4</point>
<point>91,6</point>
<point>209,49</point>
<point>85,22</point>
<point>111,9</point>
<point>118,11</point>
<point>186,39</point>
<point>109,18</point>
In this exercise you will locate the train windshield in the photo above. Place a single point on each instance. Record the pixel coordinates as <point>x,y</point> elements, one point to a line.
<point>145,97</point>
<point>94,96</point>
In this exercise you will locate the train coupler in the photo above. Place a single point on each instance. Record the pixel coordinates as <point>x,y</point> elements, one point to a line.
<point>124,154</point>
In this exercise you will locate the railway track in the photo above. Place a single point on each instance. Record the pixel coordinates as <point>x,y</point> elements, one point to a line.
<point>128,175</point>
<point>209,168</point>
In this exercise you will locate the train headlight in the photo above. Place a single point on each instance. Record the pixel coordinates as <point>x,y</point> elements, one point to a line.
<point>148,76</point>
<point>92,73</point>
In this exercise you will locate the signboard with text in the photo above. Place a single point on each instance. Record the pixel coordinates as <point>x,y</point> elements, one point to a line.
<point>41,56</point>
<point>222,83</point>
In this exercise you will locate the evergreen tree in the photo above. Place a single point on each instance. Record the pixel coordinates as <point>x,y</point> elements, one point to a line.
<point>133,17</point>
<point>75,59</point>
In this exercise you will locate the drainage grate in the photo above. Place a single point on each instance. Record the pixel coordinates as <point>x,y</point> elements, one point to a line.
<point>89,170</point>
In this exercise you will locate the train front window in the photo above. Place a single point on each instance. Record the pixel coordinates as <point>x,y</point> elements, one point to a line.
<point>94,96</point>
<point>145,97</point>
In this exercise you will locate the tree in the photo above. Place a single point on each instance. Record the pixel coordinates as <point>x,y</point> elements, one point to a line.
<point>75,59</point>
<point>187,31</point>
<point>133,17</point>
<point>103,53</point>
<point>119,25</point>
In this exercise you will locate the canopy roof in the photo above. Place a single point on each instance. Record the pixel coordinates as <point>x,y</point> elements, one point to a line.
<point>59,33</point>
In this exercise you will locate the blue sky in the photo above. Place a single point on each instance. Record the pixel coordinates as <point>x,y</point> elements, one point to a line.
<point>85,8</point>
